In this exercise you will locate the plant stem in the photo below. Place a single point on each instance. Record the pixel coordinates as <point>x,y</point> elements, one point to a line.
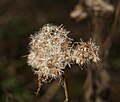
<point>38,90</point>
<point>65,88</point>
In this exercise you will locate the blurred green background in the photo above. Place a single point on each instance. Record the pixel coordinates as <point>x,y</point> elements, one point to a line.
<point>19,19</point>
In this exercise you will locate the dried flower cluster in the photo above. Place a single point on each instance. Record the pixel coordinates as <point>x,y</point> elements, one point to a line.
<point>51,50</point>
<point>99,8</point>
<point>79,13</point>
<point>85,52</point>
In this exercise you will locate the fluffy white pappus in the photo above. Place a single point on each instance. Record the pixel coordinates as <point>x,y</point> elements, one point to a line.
<point>49,52</point>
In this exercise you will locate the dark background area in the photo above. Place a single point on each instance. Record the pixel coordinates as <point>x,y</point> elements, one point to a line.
<point>19,19</point>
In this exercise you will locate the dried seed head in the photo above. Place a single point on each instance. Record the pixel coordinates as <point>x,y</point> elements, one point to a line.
<point>98,8</point>
<point>49,52</point>
<point>85,52</point>
<point>105,8</point>
<point>78,13</point>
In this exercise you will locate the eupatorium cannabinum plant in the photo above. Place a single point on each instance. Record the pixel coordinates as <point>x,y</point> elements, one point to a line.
<point>51,50</point>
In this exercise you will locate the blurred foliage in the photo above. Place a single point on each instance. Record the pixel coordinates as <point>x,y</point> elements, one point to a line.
<point>19,19</point>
